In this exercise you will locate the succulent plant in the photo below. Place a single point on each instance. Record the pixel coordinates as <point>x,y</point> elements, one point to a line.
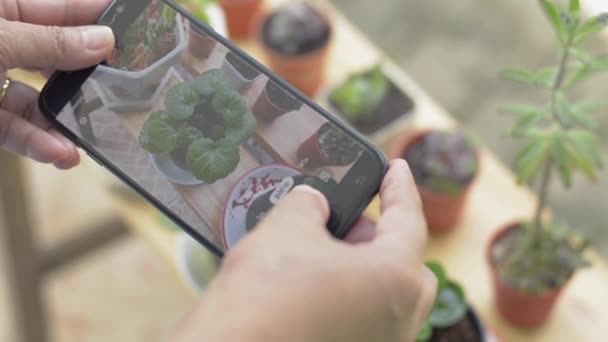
<point>450,304</point>
<point>204,123</point>
<point>443,162</point>
<point>296,29</point>
<point>361,94</point>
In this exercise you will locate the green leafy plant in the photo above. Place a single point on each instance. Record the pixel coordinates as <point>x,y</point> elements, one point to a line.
<point>443,162</point>
<point>149,39</point>
<point>204,123</point>
<point>450,304</point>
<point>360,96</point>
<point>561,139</point>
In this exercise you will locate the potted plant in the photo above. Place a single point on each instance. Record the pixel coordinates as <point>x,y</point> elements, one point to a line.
<point>241,15</point>
<point>371,102</point>
<point>444,165</point>
<point>296,39</point>
<point>451,318</point>
<point>200,44</point>
<point>274,102</point>
<point>328,147</point>
<point>240,73</point>
<point>533,260</point>
<point>152,45</point>
<point>200,130</point>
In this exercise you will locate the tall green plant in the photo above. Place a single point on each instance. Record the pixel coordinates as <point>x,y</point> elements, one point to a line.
<point>561,138</point>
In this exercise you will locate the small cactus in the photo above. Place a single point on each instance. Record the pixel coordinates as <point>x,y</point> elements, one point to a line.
<point>443,162</point>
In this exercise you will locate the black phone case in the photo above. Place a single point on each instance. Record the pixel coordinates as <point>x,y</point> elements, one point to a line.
<point>91,152</point>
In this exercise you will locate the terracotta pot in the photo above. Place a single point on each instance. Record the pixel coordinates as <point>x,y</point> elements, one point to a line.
<point>305,72</point>
<point>442,211</point>
<point>201,45</point>
<point>311,150</point>
<point>519,307</point>
<point>240,15</point>
<point>267,110</point>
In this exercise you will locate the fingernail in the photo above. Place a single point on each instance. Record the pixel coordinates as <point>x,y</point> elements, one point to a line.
<point>97,37</point>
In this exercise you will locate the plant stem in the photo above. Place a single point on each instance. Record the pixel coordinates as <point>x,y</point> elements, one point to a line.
<point>543,191</point>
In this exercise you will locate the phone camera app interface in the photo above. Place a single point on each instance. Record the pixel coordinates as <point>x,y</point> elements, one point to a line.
<point>201,130</point>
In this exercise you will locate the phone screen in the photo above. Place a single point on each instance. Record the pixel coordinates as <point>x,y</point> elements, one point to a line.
<point>205,133</point>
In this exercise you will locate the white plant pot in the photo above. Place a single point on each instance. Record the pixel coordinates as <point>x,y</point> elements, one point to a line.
<point>135,82</point>
<point>234,76</point>
<point>196,266</point>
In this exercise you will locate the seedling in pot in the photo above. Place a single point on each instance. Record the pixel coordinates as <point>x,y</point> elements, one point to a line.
<point>443,162</point>
<point>536,258</point>
<point>329,147</point>
<point>296,39</point>
<point>451,319</point>
<point>204,123</point>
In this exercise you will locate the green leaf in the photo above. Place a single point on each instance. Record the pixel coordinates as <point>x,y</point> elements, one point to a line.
<point>211,161</point>
<point>556,17</point>
<point>590,27</point>
<point>450,307</point>
<point>425,333</point>
<point>181,101</point>
<point>587,144</point>
<point>524,109</point>
<point>562,110</point>
<point>530,158</point>
<point>526,123</point>
<point>241,130</point>
<point>519,75</point>
<point>575,8</point>
<point>209,82</point>
<point>439,271</point>
<point>588,107</point>
<point>546,77</point>
<point>187,135</point>
<point>231,105</point>
<point>579,158</point>
<point>559,155</point>
<point>582,55</point>
<point>157,135</point>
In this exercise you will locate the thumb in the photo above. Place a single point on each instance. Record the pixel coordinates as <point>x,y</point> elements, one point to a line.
<point>303,208</point>
<point>25,45</point>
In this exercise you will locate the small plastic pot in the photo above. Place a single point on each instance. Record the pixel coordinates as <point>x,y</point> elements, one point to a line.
<point>519,307</point>
<point>305,72</point>
<point>268,107</point>
<point>240,74</point>
<point>201,45</point>
<point>240,15</point>
<point>442,211</point>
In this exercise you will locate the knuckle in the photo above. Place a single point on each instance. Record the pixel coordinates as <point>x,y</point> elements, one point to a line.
<point>58,41</point>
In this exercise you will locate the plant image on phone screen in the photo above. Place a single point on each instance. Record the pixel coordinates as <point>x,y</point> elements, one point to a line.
<point>205,133</point>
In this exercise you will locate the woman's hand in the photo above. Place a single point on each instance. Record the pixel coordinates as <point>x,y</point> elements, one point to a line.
<point>291,281</point>
<point>45,35</point>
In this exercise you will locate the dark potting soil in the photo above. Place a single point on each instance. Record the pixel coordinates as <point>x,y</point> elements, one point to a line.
<point>281,99</point>
<point>395,104</point>
<point>242,67</point>
<point>295,30</point>
<point>464,331</point>
<point>336,147</point>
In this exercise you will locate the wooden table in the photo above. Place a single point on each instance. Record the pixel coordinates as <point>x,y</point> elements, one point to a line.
<point>495,200</point>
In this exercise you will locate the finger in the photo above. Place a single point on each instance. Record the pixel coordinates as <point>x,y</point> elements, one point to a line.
<point>304,207</point>
<point>50,47</point>
<point>22,100</point>
<point>73,158</point>
<point>362,231</point>
<point>55,12</point>
<point>401,228</point>
<point>22,137</point>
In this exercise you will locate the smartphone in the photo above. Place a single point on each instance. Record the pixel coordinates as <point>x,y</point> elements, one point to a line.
<point>204,132</point>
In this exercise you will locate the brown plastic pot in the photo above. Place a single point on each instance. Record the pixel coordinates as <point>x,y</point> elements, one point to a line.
<point>200,45</point>
<point>240,15</point>
<point>442,211</point>
<point>305,72</point>
<point>266,109</point>
<point>519,307</point>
